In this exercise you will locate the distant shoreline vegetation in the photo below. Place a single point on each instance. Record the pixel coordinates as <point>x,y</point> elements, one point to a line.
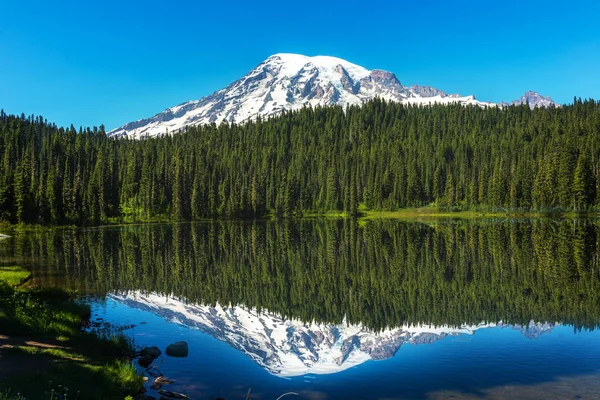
<point>380,157</point>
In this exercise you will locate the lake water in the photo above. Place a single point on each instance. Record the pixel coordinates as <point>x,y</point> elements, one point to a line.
<point>338,309</point>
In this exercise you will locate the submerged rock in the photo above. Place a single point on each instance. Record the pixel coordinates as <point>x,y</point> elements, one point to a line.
<point>174,395</point>
<point>145,361</point>
<point>179,349</point>
<point>161,380</point>
<point>152,352</point>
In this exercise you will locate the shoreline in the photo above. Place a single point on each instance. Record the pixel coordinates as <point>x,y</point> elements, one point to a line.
<point>403,214</point>
<point>430,213</point>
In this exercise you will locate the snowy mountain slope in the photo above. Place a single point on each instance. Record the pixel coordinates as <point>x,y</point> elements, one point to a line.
<point>289,347</point>
<point>289,82</point>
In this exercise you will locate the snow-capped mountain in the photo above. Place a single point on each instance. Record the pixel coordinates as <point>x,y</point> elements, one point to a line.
<point>287,347</point>
<point>534,100</point>
<point>290,82</point>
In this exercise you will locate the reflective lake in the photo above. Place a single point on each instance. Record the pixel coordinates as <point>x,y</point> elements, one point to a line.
<point>337,309</point>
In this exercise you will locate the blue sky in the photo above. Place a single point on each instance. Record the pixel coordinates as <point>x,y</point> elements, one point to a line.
<point>110,62</point>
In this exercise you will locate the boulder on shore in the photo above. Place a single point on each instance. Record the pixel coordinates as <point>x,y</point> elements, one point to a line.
<point>179,349</point>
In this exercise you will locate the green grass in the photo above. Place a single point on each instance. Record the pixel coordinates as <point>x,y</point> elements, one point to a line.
<point>50,349</point>
<point>13,275</point>
<point>437,213</point>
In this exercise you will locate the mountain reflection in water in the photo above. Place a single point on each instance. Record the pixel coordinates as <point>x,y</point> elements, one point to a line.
<point>288,347</point>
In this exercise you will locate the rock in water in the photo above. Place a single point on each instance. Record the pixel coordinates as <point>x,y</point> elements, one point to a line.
<point>144,397</point>
<point>161,380</point>
<point>152,352</point>
<point>179,349</point>
<point>145,361</point>
<point>173,395</point>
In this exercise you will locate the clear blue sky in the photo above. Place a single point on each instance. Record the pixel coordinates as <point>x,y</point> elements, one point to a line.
<point>110,62</point>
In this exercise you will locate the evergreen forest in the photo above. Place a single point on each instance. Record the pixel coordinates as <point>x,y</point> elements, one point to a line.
<point>381,156</point>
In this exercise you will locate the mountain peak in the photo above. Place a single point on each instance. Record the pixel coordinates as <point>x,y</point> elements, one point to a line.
<point>295,62</point>
<point>289,65</point>
<point>534,99</point>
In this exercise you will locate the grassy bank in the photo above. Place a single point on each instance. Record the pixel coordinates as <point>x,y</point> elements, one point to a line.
<point>45,354</point>
<point>435,213</point>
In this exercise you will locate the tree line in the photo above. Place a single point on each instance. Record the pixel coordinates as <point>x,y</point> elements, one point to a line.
<point>381,156</point>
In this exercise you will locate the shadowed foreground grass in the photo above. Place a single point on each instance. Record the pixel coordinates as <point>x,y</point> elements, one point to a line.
<point>45,354</point>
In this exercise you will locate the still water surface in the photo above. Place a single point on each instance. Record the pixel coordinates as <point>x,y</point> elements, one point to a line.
<point>340,309</point>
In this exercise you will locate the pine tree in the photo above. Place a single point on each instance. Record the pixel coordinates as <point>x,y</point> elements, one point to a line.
<point>584,185</point>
